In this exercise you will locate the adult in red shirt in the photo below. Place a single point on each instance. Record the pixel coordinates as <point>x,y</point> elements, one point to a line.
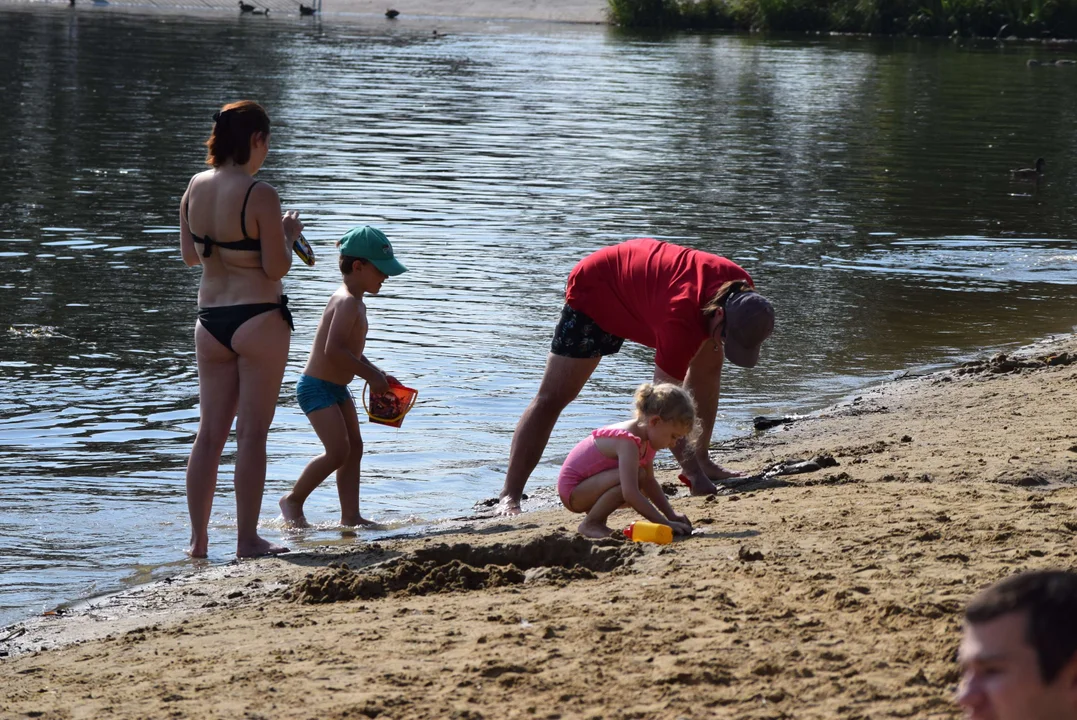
<point>694,308</point>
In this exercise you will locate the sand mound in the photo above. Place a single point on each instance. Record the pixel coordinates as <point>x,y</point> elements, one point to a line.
<point>556,558</point>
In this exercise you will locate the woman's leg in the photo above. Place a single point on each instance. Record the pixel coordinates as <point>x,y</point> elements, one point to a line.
<point>331,428</point>
<point>218,393</point>
<point>561,383</point>
<point>262,344</point>
<point>598,496</point>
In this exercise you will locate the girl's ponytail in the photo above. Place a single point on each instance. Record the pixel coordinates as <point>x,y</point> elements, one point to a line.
<point>667,401</point>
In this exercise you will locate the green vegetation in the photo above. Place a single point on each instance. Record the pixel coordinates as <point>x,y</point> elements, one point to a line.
<point>982,18</point>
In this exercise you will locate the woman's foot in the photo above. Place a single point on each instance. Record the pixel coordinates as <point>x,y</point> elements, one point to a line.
<point>594,530</point>
<point>199,547</point>
<point>292,512</point>
<point>258,547</point>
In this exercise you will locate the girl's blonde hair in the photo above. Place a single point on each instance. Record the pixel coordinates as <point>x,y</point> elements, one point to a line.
<point>666,401</point>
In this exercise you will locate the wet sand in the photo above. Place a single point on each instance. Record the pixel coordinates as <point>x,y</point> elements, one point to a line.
<point>831,593</point>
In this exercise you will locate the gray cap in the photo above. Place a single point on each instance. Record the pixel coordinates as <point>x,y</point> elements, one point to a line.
<point>749,320</point>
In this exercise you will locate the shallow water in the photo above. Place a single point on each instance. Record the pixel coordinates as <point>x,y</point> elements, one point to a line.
<point>863,183</point>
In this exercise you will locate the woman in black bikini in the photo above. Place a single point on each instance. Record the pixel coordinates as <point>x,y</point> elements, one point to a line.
<point>232,226</point>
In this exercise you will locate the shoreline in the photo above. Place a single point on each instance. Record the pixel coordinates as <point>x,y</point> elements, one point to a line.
<point>835,592</point>
<point>420,13</point>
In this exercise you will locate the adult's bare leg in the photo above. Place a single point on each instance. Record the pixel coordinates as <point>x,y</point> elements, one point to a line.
<point>561,383</point>
<point>262,344</point>
<point>218,393</point>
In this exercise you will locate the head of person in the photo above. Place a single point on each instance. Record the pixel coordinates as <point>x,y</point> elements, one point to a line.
<point>668,413</point>
<point>366,258</point>
<point>240,136</point>
<point>1018,655</point>
<point>741,319</point>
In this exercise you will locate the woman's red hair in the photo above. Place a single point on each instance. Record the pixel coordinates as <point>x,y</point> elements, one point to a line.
<point>233,127</point>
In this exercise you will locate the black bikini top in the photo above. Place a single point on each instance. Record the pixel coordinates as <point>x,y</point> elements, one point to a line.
<point>246,243</point>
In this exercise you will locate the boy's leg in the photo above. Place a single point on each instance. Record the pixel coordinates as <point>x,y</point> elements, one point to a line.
<point>348,473</point>
<point>329,425</point>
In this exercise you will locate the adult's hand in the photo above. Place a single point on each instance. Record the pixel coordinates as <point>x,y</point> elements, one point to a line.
<point>292,226</point>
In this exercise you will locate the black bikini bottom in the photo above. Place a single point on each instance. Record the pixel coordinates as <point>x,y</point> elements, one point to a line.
<point>222,322</point>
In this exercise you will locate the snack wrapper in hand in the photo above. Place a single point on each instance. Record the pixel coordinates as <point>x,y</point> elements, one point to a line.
<point>303,250</point>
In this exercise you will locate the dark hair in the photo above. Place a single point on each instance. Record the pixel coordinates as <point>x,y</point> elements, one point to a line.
<point>233,126</point>
<point>347,262</point>
<point>1049,600</point>
<point>726,289</point>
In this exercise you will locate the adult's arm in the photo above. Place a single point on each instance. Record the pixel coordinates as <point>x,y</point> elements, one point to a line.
<point>187,248</point>
<point>270,226</point>
<point>703,380</point>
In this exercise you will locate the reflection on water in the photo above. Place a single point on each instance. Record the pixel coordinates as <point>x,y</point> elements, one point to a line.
<point>863,183</point>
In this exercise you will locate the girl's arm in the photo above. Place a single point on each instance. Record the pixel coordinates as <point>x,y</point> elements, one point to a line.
<point>650,487</point>
<point>630,471</point>
<point>187,248</point>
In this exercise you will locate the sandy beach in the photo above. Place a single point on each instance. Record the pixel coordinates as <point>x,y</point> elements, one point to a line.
<point>835,592</point>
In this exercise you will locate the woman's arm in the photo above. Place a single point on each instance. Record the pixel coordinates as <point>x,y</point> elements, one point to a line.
<point>276,231</point>
<point>187,248</point>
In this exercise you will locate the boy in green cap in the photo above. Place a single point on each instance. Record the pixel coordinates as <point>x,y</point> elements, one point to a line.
<point>366,259</point>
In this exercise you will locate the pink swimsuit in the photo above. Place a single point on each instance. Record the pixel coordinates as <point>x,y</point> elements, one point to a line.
<point>586,460</point>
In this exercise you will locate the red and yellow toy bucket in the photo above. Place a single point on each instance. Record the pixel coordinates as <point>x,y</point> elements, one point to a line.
<point>391,407</point>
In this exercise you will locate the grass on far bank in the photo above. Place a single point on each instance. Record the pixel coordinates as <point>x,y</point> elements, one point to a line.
<point>980,18</point>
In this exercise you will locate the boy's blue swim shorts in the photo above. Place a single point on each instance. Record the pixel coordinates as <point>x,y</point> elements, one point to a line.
<point>315,394</point>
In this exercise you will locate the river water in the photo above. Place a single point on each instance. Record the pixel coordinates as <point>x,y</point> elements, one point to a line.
<point>863,183</point>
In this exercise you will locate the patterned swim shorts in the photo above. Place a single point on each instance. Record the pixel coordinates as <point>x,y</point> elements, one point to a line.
<point>578,336</point>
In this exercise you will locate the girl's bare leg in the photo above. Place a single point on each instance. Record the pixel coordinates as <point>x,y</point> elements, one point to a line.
<point>593,496</point>
<point>331,427</point>
<point>262,344</point>
<point>218,394</point>
<point>594,525</point>
<point>348,472</point>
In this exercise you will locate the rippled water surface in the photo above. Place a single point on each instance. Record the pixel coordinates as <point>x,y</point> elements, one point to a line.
<point>864,184</point>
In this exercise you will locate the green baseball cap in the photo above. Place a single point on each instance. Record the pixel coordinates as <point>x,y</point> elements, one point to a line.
<point>371,244</point>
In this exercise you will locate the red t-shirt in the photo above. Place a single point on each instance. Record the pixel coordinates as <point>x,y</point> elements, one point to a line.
<point>652,293</point>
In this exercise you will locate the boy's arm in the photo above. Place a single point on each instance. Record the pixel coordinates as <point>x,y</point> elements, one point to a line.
<point>345,317</point>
